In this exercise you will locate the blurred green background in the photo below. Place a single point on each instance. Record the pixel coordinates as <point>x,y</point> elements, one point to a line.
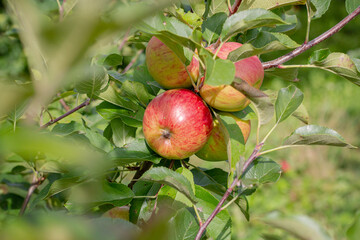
<point>322,182</point>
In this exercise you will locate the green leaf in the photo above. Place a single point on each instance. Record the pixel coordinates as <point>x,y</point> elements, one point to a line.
<point>288,100</point>
<point>261,170</point>
<point>220,227</point>
<point>235,141</point>
<point>245,114</point>
<point>264,108</point>
<point>113,60</point>
<point>142,75</point>
<point>216,6</point>
<point>212,26</point>
<point>136,151</point>
<point>142,209</point>
<point>122,134</point>
<point>136,91</point>
<point>351,5</point>
<point>354,231</point>
<point>63,184</point>
<point>337,63</point>
<point>214,180</point>
<point>243,204</point>
<point>319,55</point>
<point>66,128</point>
<point>173,179</point>
<point>264,43</point>
<point>218,71</point>
<point>316,135</point>
<point>249,19</point>
<point>269,4</point>
<point>321,7</point>
<point>301,227</point>
<point>97,140</point>
<point>93,193</point>
<point>110,111</point>
<point>184,225</point>
<point>302,114</point>
<point>198,6</point>
<point>94,81</point>
<point>111,96</point>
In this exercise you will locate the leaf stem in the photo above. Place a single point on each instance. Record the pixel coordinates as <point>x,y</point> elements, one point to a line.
<point>268,134</point>
<point>278,148</point>
<point>198,215</point>
<point>87,102</point>
<point>230,202</point>
<point>315,41</point>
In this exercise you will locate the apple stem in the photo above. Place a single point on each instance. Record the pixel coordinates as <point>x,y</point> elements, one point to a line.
<point>315,41</point>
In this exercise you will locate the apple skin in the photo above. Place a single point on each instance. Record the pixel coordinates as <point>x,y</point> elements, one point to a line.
<point>167,69</point>
<point>177,124</point>
<point>215,148</point>
<point>225,97</point>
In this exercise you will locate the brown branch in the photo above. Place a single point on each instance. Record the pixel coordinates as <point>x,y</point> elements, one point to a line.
<point>145,166</point>
<point>31,190</point>
<point>236,181</point>
<point>87,102</point>
<point>235,6</point>
<point>317,40</point>
<point>127,68</point>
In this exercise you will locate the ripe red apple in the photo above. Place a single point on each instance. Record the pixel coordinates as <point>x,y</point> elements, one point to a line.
<point>166,67</point>
<point>177,124</point>
<point>215,148</point>
<point>225,97</point>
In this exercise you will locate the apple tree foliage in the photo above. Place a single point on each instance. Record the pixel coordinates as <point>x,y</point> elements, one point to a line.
<point>73,90</point>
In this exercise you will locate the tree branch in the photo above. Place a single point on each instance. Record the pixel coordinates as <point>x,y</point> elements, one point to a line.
<point>87,102</point>
<point>31,190</point>
<point>317,40</point>
<point>235,6</point>
<point>236,181</point>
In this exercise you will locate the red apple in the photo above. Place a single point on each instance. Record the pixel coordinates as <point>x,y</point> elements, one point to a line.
<point>225,97</point>
<point>215,148</point>
<point>167,68</point>
<point>177,124</point>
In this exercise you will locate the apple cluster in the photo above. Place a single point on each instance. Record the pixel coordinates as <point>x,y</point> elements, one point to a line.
<point>178,123</point>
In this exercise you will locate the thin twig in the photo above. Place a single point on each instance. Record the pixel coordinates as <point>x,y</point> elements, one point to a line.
<point>87,102</point>
<point>35,183</point>
<point>317,40</point>
<point>124,40</point>
<point>132,61</point>
<point>63,103</point>
<point>236,181</point>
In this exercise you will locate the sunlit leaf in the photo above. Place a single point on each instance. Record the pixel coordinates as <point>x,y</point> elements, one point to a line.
<point>261,170</point>
<point>269,4</point>
<point>288,100</point>
<point>351,5</point>
<point>176,180</point>
<point>136,151</point>
<point>122,134</point>
<point>249,19</point>
<point>321,7</point>
<point>264,43</point>
<point>316,135</point>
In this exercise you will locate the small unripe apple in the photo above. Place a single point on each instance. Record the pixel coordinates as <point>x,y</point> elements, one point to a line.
<point>166,67</point>
<point>225,97</point>
<point>177,124</point>
<point>215,148</point>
